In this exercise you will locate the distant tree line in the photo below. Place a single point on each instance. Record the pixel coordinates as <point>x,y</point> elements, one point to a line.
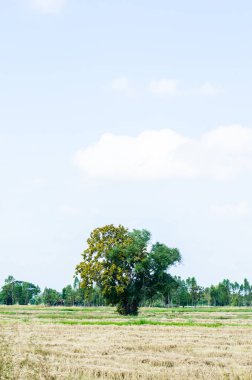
<point>15,292</point>
<point>181,293</point>
<point>189,293</point>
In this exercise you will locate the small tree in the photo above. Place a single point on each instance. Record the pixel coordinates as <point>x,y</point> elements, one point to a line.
<point>68,295</point>
<point>180,294</point>
<point>195,291</point>
<point>51,297</point>
<point>7,293</point>
<point>125,267</point>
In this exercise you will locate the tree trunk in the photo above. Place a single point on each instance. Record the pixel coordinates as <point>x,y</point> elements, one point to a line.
<point>128,307</point>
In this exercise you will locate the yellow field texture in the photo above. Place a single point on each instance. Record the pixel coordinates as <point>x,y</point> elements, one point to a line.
<point>44,348</point>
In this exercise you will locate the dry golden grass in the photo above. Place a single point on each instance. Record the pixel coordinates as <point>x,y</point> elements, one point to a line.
<point>47,350</point>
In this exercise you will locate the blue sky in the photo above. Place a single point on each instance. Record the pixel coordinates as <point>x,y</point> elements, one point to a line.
<point>132,112</point>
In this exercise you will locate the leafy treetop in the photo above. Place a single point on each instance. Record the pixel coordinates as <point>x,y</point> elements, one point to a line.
<point>125,267</point>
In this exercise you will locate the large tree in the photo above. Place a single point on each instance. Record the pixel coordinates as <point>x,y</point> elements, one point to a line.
<point>126,267</point>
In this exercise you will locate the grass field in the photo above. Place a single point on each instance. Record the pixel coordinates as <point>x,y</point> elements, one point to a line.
<point>95,343</point>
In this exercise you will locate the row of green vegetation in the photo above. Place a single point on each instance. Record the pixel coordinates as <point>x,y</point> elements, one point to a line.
<point>121,268</point>
<point>184,293</point>
<point>15,292</point>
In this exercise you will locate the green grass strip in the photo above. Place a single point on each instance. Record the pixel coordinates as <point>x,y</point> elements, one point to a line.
<point>140,322</point>
<point>189,310</point>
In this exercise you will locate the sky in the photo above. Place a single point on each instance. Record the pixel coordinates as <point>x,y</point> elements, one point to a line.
<point>132,112</point>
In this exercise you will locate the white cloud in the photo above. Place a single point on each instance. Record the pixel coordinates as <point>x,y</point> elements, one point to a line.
<point>48,6</point>
<point>208,88</point>
<point>123,86</point>
<point>220,154</point>
<point>233,210</point>
<point>164,87</point>
<point>171,87</point>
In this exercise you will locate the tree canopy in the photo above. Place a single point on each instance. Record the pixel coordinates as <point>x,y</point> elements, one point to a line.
<point>20,292</point>
<point>126,267</point>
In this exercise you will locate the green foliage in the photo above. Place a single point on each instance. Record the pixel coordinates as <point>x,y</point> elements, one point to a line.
<point>17,292</point>
<point>224,294</point>
<point>180,295</point>
<point>220,294</point>
<point>195,291</point>
<point>51,297</point>
<point>123,266</point>
<point>68,295</point>
<point>136,276</point>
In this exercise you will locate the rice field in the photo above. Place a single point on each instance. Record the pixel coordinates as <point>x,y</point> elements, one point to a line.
<point>96,343</point>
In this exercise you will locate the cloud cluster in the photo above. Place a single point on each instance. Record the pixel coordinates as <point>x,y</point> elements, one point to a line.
<point>48,6</point>
<point>220,154</point>
<point>171,87</point>
<point>208,88</point>
<point>165,88</point>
